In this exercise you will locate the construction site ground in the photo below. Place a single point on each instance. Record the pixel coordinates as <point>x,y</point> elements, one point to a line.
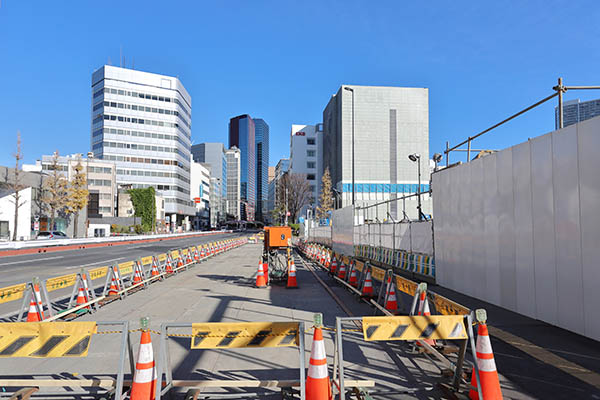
<point>222,289</point>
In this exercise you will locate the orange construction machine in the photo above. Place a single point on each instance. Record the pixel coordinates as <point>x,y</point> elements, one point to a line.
<point>277,246</point>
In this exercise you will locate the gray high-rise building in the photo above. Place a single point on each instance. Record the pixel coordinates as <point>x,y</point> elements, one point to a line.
<point>575,111</point>
<point>261,138</point>
<point>233,157</point>
<point>213,154</point>
<point>390,123</point>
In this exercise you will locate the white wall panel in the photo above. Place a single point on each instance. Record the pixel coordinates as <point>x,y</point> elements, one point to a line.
<point>403,239</point>
<point>490,233</point>
<point>588,133</point>
<point>421,233</point>
<point>506,229</point>
<point>523,230</point>
<point>476,258</point>
<point>440,239</point>
<point>567,229</point>
<point>543,228</point>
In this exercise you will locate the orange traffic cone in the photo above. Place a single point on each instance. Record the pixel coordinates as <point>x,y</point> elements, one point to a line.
<point>488,375</point>
<point>342,272</point>
<point>260,277</point>
<point>327,260</point>
<point>353,278</point>
<point>113,290</point>
<point>391,303</point>
<point>424,310</point>
<point>334,265</point>
<point>82,298</point>
<point>292,283</point>
<point>317,381</point>
<point>154,269</point>
<point>143,386</point>
<point>38,298</point>
<point>169,267</point>
<point>32,314</point>
<point>136,275</point>
<point>367,290</point>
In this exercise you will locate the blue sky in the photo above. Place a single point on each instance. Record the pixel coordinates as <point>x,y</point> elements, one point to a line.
<point>282,60</point>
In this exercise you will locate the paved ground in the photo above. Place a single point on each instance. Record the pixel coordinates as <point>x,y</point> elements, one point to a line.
<point>222,290</point>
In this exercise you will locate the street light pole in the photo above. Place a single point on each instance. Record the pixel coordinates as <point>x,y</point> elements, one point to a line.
<point>352,90</point>
<point>417,158</point>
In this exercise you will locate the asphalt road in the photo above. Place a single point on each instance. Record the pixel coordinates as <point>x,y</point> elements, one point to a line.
<point>19,269</point>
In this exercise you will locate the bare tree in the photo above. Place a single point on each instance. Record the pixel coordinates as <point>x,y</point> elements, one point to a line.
<point>55,191</point>
<point>295,192</point>
<point>77,194</point>
<point>16,186</point>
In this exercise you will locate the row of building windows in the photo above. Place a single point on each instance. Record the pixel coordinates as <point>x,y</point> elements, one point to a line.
<point>100,170</point>
<point>119,118</point>
<point>310,141</point>
<point>385,188</point>
<point>135,107</point>
<point>165,188</point>
<point>137,146</point>
<point>311,153</point>
<point>50,167</point>
<point>146,161</point>
<point>105,210</point>
<point>160,174</point>
<point>149,135</point>
<point>138,95</point>
<point>99,182</point>
<point>310,164</point>
<point>105,196</point>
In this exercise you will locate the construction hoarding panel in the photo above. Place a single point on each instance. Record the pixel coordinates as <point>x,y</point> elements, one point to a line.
<point>11,293</point>
<point>342,235</point>
<point>222,335</point>
<point>60,282</point>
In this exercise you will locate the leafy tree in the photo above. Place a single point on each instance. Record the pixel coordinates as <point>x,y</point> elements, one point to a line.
<point>77,194</point>
<point>16,186</point>
<point>56,192</point>
<point>144,206</point>
<point>326,198</point>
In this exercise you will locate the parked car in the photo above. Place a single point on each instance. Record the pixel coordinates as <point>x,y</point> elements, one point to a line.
<point>47,235</point>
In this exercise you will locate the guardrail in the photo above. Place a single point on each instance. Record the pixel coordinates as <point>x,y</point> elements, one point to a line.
<point>128,276</point>
<point>112,239</point>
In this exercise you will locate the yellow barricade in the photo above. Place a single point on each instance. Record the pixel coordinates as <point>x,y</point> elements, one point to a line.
<point>448,307</point>
<point>162,257</point>
<point>99,272</point>
<point>45,340</point>
<point>407,286</point>
<point>414,327</point>
<point>359,265</point>
<point>378,274</point>
<point>244,334</point>
<point>11,293</point>
<point>184,252</point>
<point>126,268</point>
<point>175,254</point>
<point>60,282</point>
<point>147,260</point>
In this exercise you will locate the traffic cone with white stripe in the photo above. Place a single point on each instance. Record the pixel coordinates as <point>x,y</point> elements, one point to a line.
<point>488,375</point>
<point>143,386</point>
<point>353,278</point>
<point>292,283</point>
<point>367,290</point>
<point>424,310</point>
<point>334,265</point>
<point>169,266</point>
<point>32,314</point>
<point>260,277</point>
<point>318,386</point>
<point>155,271</point>
<point>82,298</point>
<point>342,272</point>
<point>391,304</point>
<point>136,274</point>
<point>114,286</point>
<point>266,271</point>
<point>38,297</point>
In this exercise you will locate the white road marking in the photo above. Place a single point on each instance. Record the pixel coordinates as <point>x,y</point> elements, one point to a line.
<point>31,261</point>
<point>94,263</point>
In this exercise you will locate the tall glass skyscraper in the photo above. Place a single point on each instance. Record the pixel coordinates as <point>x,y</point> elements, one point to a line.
<point>142,122</point>
<point>241,135</point>
<point>261,131</point>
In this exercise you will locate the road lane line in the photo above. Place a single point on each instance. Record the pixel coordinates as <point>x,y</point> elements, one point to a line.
<point>31,261</point>
<point>98,262</point>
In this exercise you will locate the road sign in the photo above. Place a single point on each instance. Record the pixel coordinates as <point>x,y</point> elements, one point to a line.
<point>36,226</point>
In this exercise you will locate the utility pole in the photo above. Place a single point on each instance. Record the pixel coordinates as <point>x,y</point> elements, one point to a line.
<point>286,205</point>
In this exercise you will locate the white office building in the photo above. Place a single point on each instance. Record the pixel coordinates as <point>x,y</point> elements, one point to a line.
<point>200,181</point>
<point>306,157</point>
<point>142,122</point>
